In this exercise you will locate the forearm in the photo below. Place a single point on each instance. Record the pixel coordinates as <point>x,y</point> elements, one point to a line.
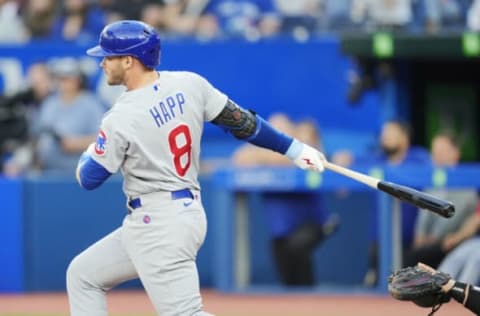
<point>467,295</point>
<point>248,126</point>
<point>89,173</point>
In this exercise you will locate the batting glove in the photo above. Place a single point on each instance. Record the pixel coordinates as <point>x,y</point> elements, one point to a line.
<point>305,156</point>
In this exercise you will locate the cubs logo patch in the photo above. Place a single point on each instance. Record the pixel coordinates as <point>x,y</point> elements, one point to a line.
<point>100,144</point>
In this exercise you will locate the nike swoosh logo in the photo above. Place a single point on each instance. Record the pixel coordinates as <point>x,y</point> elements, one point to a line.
<point>187,203</point>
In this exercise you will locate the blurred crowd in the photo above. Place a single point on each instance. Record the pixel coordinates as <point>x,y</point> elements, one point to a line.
<point>47,125</point>
<point>81,20</point>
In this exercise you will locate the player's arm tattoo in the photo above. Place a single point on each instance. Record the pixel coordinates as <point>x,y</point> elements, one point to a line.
<point>238,121</point>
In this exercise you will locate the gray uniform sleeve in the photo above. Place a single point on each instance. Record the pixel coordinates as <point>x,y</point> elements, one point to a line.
<point>213,99</point>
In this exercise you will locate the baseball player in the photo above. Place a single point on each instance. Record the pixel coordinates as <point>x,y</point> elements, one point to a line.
<point>152,134</point>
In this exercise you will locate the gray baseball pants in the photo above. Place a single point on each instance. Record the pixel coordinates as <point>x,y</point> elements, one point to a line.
<point>158,243</point>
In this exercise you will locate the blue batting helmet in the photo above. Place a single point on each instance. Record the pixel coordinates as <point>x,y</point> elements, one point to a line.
<point>129,38</point>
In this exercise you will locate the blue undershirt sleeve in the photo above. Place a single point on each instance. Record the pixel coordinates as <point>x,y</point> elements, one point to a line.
<point>92,174</point>
<point>267,136</point>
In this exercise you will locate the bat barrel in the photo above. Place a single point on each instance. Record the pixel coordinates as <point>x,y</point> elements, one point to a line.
<point>419,199</point>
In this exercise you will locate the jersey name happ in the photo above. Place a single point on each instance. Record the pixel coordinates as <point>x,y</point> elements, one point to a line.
<point>167,109</point>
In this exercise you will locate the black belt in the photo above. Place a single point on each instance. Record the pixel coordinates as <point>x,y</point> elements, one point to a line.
<point>176,195</point>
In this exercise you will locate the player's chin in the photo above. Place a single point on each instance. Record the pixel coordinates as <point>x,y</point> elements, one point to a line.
<point>113,81</point>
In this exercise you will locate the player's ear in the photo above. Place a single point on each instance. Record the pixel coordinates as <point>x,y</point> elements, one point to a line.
<point>128,61</point>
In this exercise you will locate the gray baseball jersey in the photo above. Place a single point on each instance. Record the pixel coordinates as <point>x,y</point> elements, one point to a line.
<point>153,134</point>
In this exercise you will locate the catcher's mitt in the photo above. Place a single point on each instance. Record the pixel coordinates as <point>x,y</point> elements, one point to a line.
<point>419,286</point>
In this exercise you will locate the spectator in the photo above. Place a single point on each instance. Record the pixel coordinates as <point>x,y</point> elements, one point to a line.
<point>184,18</point>
<point>126,9</point>
<point>79,21</point>
<point>336,15</point>
<point>38,17</point>
<point>112,14</point>
<point>19,113</point>
<point>473,16</point>
<point>376,15</point>
<point>247,19</point>
<point>299,17</point>
<point>12,29</point>
<point>153,14</point>
<point>443,13</point>
<point>463,262</point>
<point>435,235</point>
<point>392,15</point>
<point>396,152</point>
<point>394,149</point>
<point>67,122</point>
<point>298,223</point>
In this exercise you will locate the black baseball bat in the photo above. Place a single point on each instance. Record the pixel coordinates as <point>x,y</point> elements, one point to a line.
<point>403,193</point>
<point>418,198</point>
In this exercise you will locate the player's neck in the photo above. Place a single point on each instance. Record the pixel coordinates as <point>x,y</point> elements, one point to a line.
<point>140,79</point>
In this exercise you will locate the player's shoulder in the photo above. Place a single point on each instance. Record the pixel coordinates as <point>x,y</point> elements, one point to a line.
<point>113,117</point>
<point>183,75</point>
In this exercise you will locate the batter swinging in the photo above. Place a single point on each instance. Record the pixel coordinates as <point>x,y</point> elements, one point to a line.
<point>152,134</point>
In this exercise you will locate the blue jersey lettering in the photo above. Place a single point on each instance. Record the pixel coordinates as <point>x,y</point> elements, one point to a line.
<point>167,109</point>
<point>156,116</point>
<point>181,101</point>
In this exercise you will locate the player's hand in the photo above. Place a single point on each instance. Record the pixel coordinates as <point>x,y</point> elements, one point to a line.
<point>310,159</point>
